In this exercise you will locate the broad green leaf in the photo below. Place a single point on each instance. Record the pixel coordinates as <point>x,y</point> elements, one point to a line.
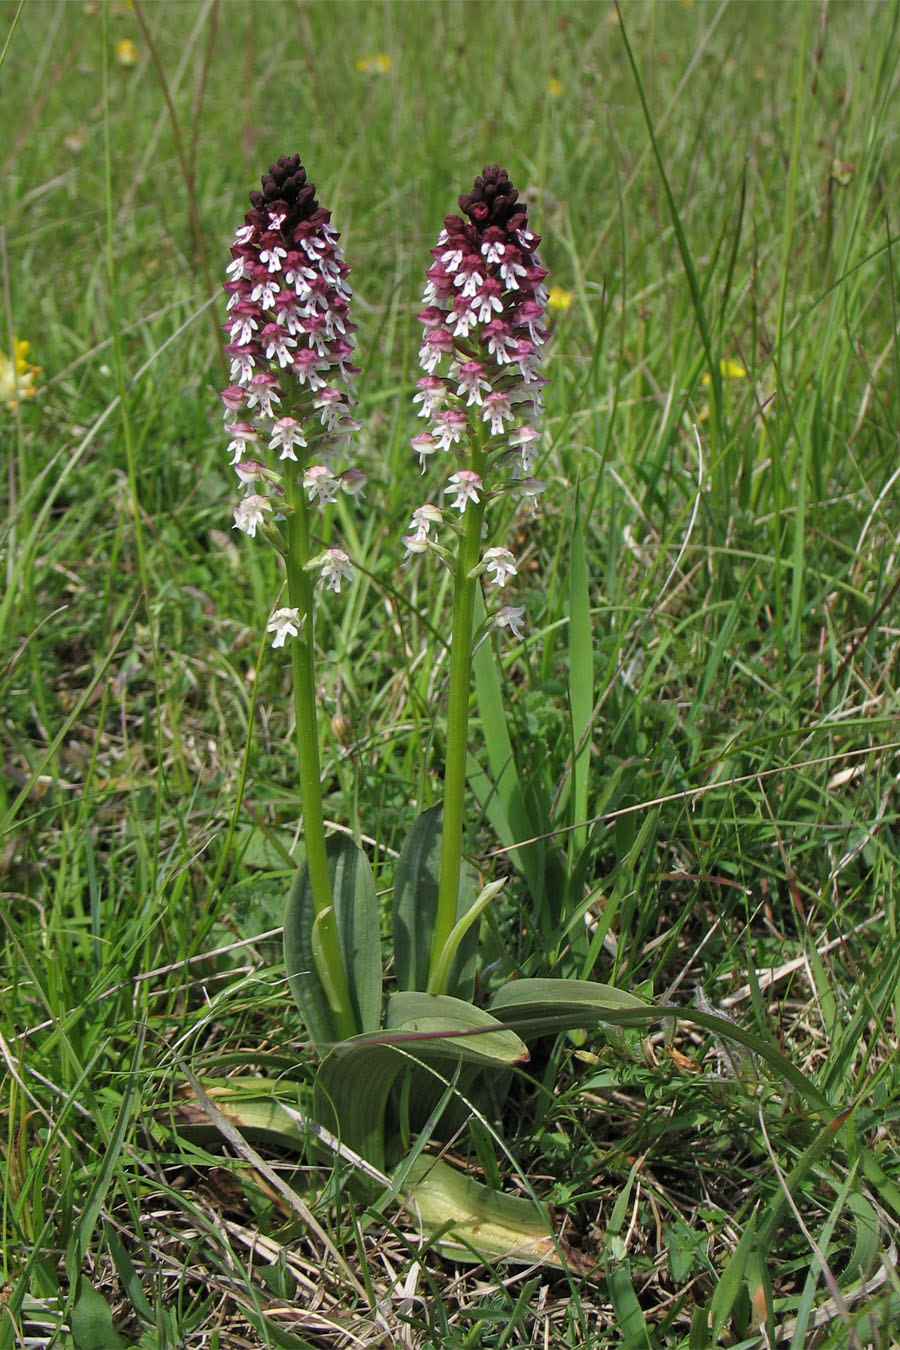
<point>359,936</point>
<point>415,905</point>
<point>630,1321</point>
<point>544,1005</point>
<point>474,1223</point>
<point>354,1082</point>
<point>563,1004</point>
<point>92,1324</point>
<point>417,1021</point>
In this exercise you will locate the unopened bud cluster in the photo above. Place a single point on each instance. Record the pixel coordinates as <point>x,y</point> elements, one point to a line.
<point>484,326</point>
<point>288,407</point>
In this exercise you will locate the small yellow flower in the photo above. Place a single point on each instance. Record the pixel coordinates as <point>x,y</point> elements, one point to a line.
<point>729,370</point>
<point>126,52</point>
<point>17,375</point>
<point>554,86</point>
<point>377,63</point>
<point>559,298</point>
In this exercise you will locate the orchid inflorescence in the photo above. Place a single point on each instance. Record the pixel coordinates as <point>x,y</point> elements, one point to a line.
<point>484,325</point>
<point>288,408</point>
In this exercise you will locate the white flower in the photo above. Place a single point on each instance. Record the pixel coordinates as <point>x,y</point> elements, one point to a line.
<point>336,566</point>
<point>424,517</point>
<point>449,427</point>
<point>272,257</point>
<point>466,484</point>
<point>532,489</point>
<point>500,565</point>
<point>472,382</point>
<point>250,513</point>
<point>497,411</point>
<point>287,434</point>
<point>321,484</point>
<point>265,291</point>
<point>284,623</point>
<point>249,471</point>
<point>424,444</point>
<point>244,437</point>
<point>413,543</point>
<point>511,617</point>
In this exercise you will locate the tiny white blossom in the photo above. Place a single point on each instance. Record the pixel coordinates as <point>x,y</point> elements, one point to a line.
<point>272,257</point>
<point>250,513</point>
<point>413,543</point>
<point>265,291</point>
<point>321,484</point>
<point>284,623</point>
<point>424,517</point>
<point>500,565</point>
<point>336,567</point>
<point>287,434</point>
<point>511,617</point>
<point>466,484</point>
<point>424,445</point>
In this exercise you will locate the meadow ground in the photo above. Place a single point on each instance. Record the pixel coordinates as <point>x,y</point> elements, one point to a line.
<point>716,190</point>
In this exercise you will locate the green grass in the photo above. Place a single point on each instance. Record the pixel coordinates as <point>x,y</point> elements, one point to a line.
<point>715,779</point>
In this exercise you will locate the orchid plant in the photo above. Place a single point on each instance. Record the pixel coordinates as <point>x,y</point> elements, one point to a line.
<point>289,414</point>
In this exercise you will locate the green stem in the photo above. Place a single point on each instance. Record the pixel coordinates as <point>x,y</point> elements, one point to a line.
<point>457,733</point>
<point>300,589</point>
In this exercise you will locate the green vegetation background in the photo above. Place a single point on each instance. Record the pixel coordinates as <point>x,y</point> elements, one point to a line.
<point>744,635</point>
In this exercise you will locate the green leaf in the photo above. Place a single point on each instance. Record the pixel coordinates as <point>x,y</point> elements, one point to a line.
<point>359,937</point>
<point>474,1223</point>
<point>421,1019</point>
<point>414,908</point>
<point>354,1082</point>
<point>546,1005</point>
<point>581,682</point>
<point>557,1005</point>
<point>501,791</point>
<point>630,1321</point>
<point>92,1324</point>
<point>440,979</point>
<point>732,1279</point>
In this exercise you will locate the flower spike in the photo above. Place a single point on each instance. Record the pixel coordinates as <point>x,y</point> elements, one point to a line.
<point>484,328</point>
<point>289,401</point>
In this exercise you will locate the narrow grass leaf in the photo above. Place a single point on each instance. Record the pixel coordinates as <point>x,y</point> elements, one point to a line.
<point>109,1163</point>
<point>732,1279</point>
<point>629,1314</point>
<point>500,791</point>
<point>581,682</point>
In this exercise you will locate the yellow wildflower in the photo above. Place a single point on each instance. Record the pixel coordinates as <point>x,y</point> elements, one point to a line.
<point>126,52</point>
<point>554,86</point>
<point>729,370</point>
<point>17,375</point>
<point>559,298</point>
<point>377,63</point>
